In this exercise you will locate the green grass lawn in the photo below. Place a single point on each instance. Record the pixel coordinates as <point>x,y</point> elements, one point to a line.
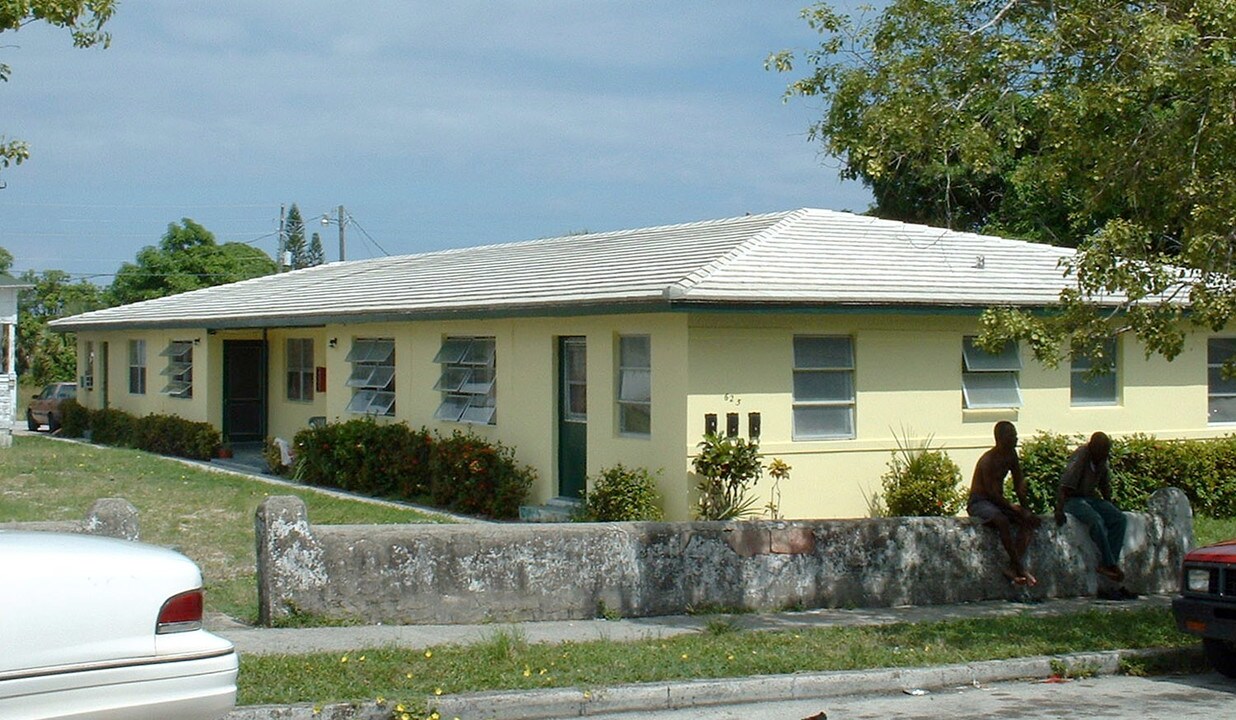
<point>507,662</point>
<point>1207,531</point>
<point>203,514</point>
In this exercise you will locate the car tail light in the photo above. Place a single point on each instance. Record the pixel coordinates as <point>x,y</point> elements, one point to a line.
<point>181,613</point>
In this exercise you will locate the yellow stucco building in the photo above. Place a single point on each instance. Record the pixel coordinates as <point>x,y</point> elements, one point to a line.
<point>822,334</point>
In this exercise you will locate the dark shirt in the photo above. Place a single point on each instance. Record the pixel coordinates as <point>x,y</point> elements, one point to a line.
<point>1085,478</point>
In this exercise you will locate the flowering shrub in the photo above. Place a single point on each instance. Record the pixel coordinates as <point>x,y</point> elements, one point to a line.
<point>470,475</point>
<point>388,460</point>
<point>921,481</point>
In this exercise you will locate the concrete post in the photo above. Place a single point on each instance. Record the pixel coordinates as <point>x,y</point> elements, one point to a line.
<point>113,517</point>
<point>289,558</point>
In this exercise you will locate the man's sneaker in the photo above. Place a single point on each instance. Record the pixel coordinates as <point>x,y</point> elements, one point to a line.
<point>1117,594</point>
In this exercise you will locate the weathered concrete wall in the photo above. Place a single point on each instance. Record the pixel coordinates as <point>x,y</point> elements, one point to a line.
<point>477,573</point>
<point>113,517</point>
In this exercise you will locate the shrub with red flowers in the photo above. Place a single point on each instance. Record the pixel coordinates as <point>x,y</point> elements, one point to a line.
<point>471,475</point>
<point>385,460</point>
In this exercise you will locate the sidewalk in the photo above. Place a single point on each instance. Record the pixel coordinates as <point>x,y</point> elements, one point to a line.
<point>576,702</point>
<point>279,641</point>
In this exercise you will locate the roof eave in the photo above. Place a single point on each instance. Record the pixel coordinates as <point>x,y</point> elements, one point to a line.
<point>515,310</point>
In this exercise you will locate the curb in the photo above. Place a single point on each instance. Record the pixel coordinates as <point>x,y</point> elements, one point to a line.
<point>579,702</point>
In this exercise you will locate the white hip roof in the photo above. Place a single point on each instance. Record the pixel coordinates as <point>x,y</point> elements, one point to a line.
<point>807,257</point>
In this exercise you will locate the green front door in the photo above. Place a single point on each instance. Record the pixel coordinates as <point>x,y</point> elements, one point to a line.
<point>104,400</point>
<point>572,416</point>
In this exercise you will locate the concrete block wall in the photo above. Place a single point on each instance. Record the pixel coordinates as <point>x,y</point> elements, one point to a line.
<point>113,517</point>
<point>501,572</point>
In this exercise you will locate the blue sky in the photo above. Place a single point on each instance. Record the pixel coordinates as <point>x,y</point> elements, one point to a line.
<point>435,124</point>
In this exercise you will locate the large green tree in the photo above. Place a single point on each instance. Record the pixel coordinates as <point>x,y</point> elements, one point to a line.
<point>6,260</point>
<point>83,18</point>
<point>44,356</point>
<point>1109,126</point>
<point>187,258</point>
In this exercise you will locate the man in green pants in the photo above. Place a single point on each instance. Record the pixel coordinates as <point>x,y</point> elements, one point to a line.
<point>1085,493</point>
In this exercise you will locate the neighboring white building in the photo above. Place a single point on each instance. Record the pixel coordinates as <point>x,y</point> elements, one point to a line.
<point>8,357</point>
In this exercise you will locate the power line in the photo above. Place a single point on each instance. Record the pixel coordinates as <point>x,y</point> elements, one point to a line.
<point>366,234</point>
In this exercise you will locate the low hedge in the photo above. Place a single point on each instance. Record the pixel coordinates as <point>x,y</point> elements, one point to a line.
<point>74,419</point>
<point>462,472</point>
<point>162,434</point>
<point>1204,469</point>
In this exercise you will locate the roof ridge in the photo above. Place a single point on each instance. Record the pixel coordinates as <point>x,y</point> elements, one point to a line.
<point>563,238</point>
<point>681,287</point>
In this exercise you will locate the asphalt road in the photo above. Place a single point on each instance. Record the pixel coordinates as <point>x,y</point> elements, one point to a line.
<point>1208,696</point>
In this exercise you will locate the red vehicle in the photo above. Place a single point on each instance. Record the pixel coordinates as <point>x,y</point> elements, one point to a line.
<point>1207,603</point>
<point>45,407</point>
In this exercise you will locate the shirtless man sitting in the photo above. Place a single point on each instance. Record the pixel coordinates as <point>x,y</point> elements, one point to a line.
<point>987,501</point>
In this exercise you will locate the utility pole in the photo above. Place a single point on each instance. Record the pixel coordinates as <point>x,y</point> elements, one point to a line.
<point>340,219</point>
<point>341,242</point>
<point>282,239</point>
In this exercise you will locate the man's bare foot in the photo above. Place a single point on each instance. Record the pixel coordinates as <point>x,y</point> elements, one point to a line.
<point>1111,572</point>
<point>1017,578</point>
<point>1030,579</point>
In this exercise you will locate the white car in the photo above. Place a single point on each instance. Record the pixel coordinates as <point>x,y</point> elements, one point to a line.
<point>104,629</point>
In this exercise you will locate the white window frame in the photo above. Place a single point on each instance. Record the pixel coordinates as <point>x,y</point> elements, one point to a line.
<point>468,381</point>
<point>179,370</point>
<point>299,362</point>
<point>633,395</point>
<point>575,388</point>
<point>137,367</point>
<point>1080,379</point>
<point>1220,391</point>
<point>87,381</point>
<point>373,376</point>
<point>984,372</point>
<point>841,365</point>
